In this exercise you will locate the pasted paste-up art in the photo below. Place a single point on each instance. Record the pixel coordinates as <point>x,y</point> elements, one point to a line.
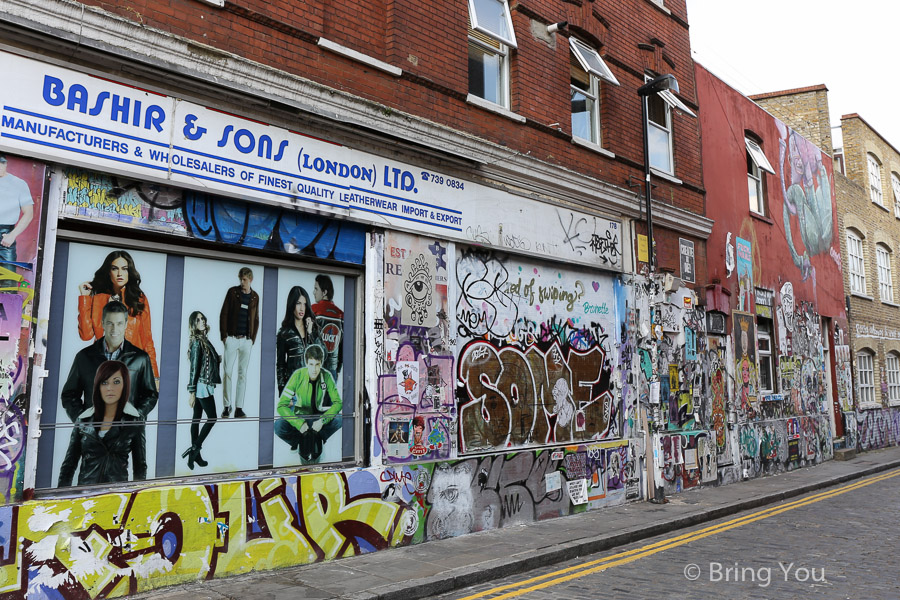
<point>416,407</point>
<point>535,361</point>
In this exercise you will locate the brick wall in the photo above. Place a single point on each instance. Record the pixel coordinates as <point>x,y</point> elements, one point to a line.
<point>805,110</point>
<point>428,41</point>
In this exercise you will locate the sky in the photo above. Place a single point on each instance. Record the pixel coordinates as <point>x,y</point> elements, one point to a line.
<point>772,45</point>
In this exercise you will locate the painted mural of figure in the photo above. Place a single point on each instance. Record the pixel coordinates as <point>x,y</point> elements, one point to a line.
<point>807,196</point>
<point>16,212</point>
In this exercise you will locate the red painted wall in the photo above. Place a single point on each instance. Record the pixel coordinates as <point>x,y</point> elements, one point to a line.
<point>725,116</point>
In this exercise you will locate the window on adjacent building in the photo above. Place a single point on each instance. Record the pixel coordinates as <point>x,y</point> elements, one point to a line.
<point>865,375</point>
<point>766,367</point>
<point>857,263</point>
<point>586,70</point>
<point>490,37</point>
<point>885,281</point>
<point>895,187</point>
<point>875,180</point>
<point>892,371</point>
<point>757,164</point>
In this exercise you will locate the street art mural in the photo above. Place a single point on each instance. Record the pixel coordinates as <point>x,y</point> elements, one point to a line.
<point>808,199</point>
<point>119,544</point>
<point>153,207</point>
<point>537,350</point>
<point>22,190</point>
<point>416,404</point>
<point>769,447</point>
<point>876,428</point>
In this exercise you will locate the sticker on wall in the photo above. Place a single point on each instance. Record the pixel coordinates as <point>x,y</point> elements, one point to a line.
<point>408,380</point>
<point>419,299</point>
<point>397,437</point>
<point>552,481</point>
<point>745,274</point>
<point>578,491</point>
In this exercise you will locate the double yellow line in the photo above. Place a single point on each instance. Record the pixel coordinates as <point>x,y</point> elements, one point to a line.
<point>622,558</point>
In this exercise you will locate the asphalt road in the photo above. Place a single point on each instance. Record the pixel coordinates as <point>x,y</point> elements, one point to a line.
<point>842,542</point>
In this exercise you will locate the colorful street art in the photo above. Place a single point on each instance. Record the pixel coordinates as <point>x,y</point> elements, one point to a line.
<point>808,198</point>
<point>115,200</point>
<point>416,407</point>
<point>536,357</point>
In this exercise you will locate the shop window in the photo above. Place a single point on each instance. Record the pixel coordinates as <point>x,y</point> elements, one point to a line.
<point>491,36</point>
<point>865,374</point>
<point>875,179</point>
<point>857,263</point>
<point>247,363</point>
<point>586,70</point>
<point>757,165</point>
<point>885,279</point>
<point>766,366</point>
<point>892,372</point>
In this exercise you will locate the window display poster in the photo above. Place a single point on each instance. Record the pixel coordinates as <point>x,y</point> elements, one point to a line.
<point>111,298</point>
<point>309,367</point>
<point>221,324</point>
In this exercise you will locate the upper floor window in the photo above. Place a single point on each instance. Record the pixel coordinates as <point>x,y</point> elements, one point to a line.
<point>865,374</point>
<point>895,187</point>
<point>586,70</point>
<point>875,180</point>
<point>885,281</point>
<point>659,133</point>
<point>757,164</point>
<point>857,263</point>
<point>490,37</point>
<point>659,127</point>
<point>892,372</point>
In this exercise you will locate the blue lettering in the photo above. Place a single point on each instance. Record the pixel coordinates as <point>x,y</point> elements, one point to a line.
<point>244,148</point>
<point>53,91</point>
<point>119,108</point>
<point>102,97</point>
<point>225,134</point>
<point>78,97</point>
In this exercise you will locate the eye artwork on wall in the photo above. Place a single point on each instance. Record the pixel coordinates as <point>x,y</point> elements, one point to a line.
<point>418,299</point>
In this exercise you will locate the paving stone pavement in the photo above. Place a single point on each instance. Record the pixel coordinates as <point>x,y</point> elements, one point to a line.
<point>433,568</point>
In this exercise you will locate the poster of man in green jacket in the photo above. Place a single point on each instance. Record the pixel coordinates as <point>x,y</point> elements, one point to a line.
<point>309,408</point>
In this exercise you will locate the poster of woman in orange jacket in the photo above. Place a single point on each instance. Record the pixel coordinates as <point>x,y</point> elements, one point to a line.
<point>117,279</point>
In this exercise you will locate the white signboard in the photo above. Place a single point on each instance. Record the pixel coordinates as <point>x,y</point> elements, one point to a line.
<point>67,116</point>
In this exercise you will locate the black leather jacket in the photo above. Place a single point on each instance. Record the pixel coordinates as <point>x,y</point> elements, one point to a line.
<point>290,349</point>
<point>103,459</point>
<point>204,364</point>
<point>79,386</point>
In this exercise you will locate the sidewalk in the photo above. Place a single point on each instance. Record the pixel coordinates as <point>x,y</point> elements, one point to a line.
<point>438,567</point>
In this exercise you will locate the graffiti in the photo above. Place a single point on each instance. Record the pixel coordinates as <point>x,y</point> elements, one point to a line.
<point>606,247</point>
<point>807,198</point>
<point>143,205</point>
<point>484,306</point>
<point>512,398</point>
<point>878,428</point>
<point>418,301</point>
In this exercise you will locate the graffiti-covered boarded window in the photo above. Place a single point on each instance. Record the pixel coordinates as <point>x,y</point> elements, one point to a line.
<point>536,346</point>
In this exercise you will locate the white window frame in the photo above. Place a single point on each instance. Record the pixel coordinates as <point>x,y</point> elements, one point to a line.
<point>885,277</point>
<point>481,25</point>
<point>503,76</point>
<point>856,262</point>
<point>667,129</point>
<point>895,187</point>
<point>591,62</point>
<point>892,372</point>
<point>596,69</point>
<point>875,192</point>
<point>865,377</point>
<point>764,353</point>
<point>758,163</point>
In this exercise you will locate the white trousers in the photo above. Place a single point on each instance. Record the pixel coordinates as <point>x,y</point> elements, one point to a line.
<point>236,349</point>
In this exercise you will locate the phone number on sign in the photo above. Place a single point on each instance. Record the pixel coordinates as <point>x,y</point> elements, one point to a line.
<point>441,180</point>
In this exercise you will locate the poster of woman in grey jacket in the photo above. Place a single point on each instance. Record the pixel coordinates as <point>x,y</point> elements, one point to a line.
<point>204,376</point>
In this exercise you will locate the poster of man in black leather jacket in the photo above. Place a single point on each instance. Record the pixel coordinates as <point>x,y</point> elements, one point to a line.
<point>76,393</point>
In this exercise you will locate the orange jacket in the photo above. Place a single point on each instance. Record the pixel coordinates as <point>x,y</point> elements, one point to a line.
<point>137,331</point>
